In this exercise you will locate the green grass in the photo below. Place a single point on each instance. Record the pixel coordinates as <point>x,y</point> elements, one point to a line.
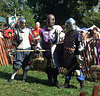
<point>36,85</point>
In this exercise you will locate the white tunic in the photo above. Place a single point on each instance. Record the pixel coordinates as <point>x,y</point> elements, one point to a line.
<point>25,35</point>
<point>60,39</point>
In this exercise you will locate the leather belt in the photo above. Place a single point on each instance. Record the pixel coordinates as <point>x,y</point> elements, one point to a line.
<point>69,48</point>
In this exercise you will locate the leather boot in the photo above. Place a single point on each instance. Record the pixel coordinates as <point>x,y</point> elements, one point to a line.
<point>82,85</point>
<point>49,79</point>
<point>55,83</point>
<point>48,71</point>
<point>66,84</point>
<point>55,73</point>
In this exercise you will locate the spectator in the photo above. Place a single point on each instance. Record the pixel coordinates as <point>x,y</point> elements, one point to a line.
<point>10,35</point>
<point>96,34</point>
<point>90,35</point>
<point>97,49</point>
<point>92,54</point>
<point>36,32</point>
<point>6,30</point>
<point>84,38</point>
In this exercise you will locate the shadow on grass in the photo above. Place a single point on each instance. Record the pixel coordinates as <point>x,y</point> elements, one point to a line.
<point>29,79</point>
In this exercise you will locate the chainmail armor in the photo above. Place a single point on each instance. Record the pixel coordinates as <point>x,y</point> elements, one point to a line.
<point>69,55</point>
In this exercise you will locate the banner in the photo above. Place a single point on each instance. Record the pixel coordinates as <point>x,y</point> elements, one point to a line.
<point>12,20</point>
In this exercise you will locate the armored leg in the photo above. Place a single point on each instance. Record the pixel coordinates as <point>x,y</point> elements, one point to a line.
<point>13,75</point>
<point>24,76</point>
<point>48,71</point>
<point>67,80</point>
<point>66,84</point>
<point>55,72</point>
<point>81,84</point>
<point>81,79</point>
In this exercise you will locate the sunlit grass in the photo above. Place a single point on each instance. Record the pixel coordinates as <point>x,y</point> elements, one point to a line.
<point>36,85</point>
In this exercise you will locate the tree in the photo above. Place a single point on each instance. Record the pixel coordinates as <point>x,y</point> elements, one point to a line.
<point>7,7</point>
<point>92,17</point>
<point>62,9</point>
<point>33,10</point>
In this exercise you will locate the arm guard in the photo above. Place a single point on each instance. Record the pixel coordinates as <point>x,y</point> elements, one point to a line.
<point>79,48</point>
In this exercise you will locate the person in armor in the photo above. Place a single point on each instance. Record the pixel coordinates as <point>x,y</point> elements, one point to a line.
<point>21,59</point>
<point>72,53</point>
<point>50,37</point>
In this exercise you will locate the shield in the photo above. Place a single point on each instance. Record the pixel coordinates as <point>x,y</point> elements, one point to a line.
<point>58,55</point>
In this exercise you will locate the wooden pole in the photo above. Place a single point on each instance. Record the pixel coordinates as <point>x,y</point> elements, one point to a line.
<point>28,50</point>
<point>15,14</point>
<point>1,62</point>
<point>4,56</point>
<point>95,91</point>
<point>83,94</point>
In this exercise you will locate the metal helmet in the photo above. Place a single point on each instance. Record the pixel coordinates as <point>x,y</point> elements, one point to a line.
<point>70,24</point>
<point>22,21</point>
<point>50,20</point>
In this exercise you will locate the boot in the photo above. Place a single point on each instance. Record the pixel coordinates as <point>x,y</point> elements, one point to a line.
<point>55,81</point>
<point>55,73</point>
<point>49,79</point>
<point>66,84</point>
<point>82,85</point>
<point>24,76</point>
<point>11,80</point>
<point>24,81</point>
<point>13,75</point>
<point>48,71</point>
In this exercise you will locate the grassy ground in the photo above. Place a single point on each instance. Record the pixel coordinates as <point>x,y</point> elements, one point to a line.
<point>36,85</point>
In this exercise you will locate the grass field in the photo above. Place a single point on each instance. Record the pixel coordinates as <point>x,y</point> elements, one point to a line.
<point>36,85</point>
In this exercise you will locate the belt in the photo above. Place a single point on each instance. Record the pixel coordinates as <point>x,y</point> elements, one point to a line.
<point>70,48</point>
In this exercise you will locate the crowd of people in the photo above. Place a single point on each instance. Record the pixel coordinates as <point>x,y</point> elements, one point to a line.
<point>91,40</point>
<point>63,48</point>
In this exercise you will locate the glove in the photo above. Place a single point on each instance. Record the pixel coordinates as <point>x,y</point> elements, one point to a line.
<point>12,52</point>
<point>37,51</point>
<point>78,73</point>
<point>79,59</point>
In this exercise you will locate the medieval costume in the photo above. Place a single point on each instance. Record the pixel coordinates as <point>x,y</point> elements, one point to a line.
<point>51,37</point>
<point>22,42</point>
<point>72,53</point>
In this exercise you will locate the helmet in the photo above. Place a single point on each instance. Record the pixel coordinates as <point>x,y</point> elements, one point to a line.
<point>70,24</point>
<point>50,20</point>
<point>22,23</point>
<point>22,20</point>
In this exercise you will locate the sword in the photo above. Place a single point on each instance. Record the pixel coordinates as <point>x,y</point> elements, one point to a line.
<point>70,70</point>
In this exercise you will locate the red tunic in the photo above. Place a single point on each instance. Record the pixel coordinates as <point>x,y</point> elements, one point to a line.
<point>36,32</point>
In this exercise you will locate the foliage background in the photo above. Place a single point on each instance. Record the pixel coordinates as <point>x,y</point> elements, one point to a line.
<point>85,12</point>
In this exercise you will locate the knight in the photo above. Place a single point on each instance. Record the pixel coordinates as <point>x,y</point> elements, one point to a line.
<point>22,42</point>
<point>51,36</point>
<point>72,53</point>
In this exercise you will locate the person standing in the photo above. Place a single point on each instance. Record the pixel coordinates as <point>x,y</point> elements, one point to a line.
<point>36,33</point>
<point>72,53</point>
<point>7,30</point>
<point>50,37</point>
<point>21,59</point>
